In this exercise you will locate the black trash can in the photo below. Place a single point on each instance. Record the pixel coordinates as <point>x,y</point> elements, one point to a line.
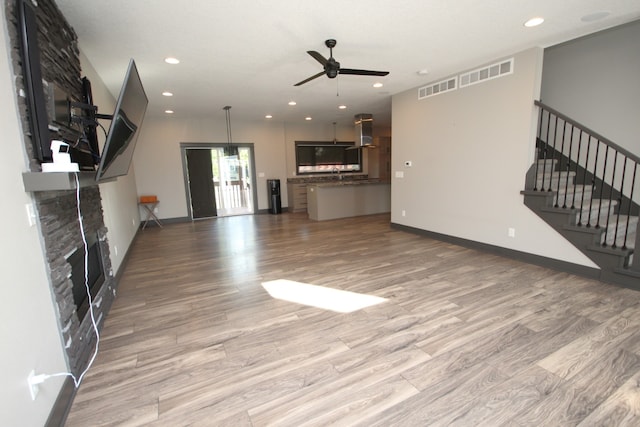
<point>275,201</point>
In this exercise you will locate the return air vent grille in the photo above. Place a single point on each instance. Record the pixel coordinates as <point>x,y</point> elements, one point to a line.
<point>487,73</point>
<point>437,88</point>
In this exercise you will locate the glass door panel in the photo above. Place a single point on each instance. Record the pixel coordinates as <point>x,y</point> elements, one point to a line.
<point>232,181</point>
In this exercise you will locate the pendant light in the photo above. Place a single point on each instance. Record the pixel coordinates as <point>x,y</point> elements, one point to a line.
<point>230,150</point>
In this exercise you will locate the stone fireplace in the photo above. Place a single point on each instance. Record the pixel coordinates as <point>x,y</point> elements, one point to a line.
<point>63,241</point>
<point>86,284</point>
<point>57,210</point>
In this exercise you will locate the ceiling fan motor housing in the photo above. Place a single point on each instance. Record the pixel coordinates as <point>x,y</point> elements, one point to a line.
<point>332,68</point>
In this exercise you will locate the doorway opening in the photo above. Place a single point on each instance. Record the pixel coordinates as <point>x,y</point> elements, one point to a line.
<point>219,182</point>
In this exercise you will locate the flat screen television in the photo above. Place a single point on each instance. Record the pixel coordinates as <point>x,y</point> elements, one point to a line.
<point>125,125</point>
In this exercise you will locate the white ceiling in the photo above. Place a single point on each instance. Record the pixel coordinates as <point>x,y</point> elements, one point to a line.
<point>249,53</point>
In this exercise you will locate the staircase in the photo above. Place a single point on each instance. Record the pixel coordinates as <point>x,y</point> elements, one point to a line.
<point>588,189</point>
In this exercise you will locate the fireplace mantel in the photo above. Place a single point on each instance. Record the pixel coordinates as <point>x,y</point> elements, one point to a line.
<point>51,181</point>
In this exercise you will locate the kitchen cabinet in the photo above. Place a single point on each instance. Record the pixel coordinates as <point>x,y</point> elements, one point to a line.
<point>347,199</point>
<point>297,196</point>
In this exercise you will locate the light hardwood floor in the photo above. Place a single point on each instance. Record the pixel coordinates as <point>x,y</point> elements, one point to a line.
<point>466,338</point>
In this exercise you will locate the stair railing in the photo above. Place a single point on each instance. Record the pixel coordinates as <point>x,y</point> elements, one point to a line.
<point>589,162</point>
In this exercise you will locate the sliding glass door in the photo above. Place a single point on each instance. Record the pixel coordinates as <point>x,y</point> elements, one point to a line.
<point>219,182</point>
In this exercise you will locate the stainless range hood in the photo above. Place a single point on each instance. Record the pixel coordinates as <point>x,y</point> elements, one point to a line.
<point>364,131</point>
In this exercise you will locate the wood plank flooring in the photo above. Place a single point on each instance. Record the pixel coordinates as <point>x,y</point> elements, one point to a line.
<point>466,338</point>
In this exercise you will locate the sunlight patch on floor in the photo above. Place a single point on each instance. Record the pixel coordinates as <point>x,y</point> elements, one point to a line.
<point>320,296</point>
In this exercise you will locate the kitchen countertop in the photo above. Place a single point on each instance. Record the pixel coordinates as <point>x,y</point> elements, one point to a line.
<point>349,182</point>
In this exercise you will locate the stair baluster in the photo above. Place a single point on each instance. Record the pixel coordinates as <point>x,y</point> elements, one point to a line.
<point>602,221</point>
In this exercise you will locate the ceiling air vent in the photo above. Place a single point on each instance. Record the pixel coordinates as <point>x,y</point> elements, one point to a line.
<point>487,73</point>
<point>437,88</point>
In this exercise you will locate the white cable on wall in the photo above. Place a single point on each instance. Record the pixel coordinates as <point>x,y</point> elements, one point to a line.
<point>37,379</point>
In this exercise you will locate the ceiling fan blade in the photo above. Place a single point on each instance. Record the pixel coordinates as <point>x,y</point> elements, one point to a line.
<point>321,59</point>
<point>362,72</point>
<point>321,73</point>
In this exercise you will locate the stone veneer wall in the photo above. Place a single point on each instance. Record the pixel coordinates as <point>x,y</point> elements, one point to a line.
<point>57,210</point>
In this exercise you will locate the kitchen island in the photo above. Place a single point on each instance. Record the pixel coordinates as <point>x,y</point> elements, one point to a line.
<point>342,199</point>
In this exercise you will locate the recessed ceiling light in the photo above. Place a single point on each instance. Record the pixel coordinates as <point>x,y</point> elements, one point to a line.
<point>342,107</point>
<point>171,60</point>
<point>292,102</point>
<point>596,16</point>
<point>377,84</point>
<point>422,72</point>
<point>167,94</point>
<point>307,118</point>
<point>534,22</point>
<point>268,116</point>
<point>168,111</point>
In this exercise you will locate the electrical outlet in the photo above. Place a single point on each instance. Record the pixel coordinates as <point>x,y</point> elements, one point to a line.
<point>404,213</point>
<point>34,388</point>
<point>115,249</point>
<point>512,232</point>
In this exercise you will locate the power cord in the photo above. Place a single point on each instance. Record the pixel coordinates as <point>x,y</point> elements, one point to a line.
<point>38,379</point>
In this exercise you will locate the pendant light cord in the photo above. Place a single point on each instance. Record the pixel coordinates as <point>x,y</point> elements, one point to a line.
<point>227,110</point>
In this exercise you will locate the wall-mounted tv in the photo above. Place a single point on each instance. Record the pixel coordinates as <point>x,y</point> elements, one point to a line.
<point>32,74</point>
<point>125,125</point>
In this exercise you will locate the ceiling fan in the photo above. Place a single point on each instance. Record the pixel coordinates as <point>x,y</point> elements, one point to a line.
<point>332,67</point>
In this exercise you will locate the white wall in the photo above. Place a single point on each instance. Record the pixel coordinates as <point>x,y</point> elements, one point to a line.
<point>159,166</point>
<point>119,198</point>
<point>28,321</point>
<point>470,150</point>
<point>594,80</point>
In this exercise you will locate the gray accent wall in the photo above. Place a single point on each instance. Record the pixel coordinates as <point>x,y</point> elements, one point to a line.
<point>595,80</point>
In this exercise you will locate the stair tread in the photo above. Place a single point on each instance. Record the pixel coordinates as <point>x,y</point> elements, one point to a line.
<point>610,249</point>
<point>604,235</point>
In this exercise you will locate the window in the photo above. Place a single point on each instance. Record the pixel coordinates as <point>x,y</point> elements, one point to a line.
<point>327,157</point>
